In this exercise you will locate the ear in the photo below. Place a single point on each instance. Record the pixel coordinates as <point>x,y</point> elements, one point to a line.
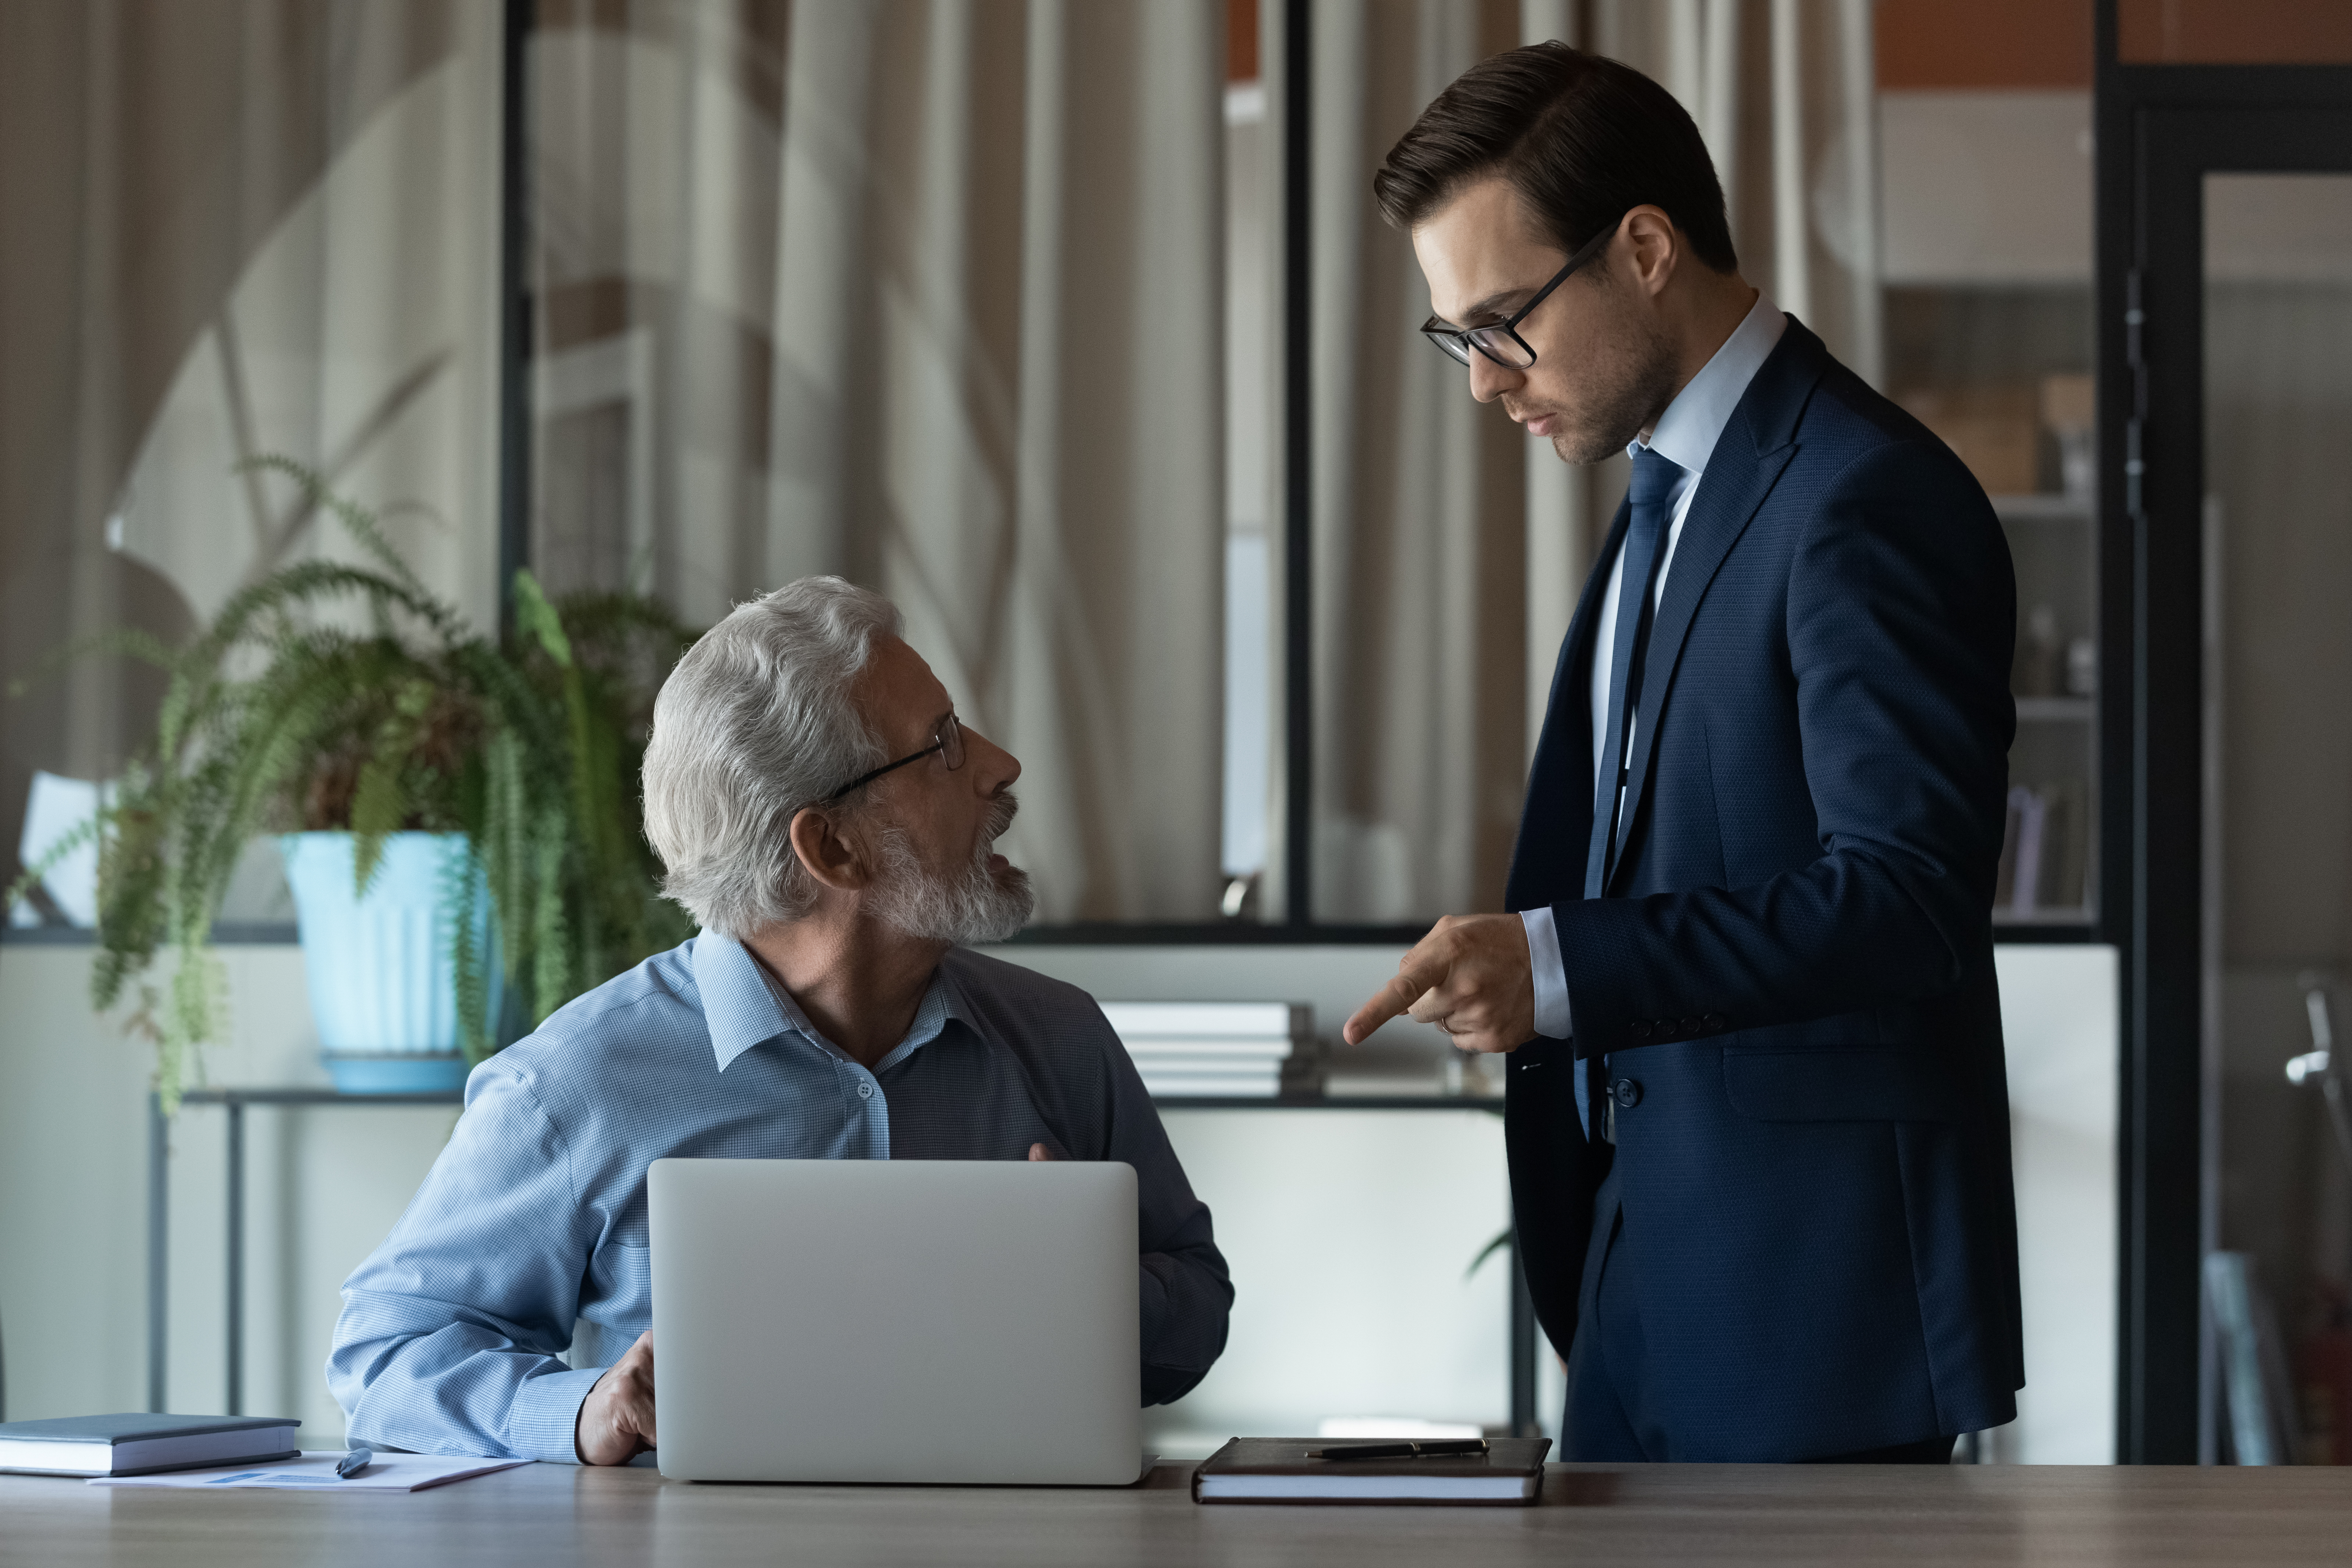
<point>1656,245</point>
<point>824,854</point>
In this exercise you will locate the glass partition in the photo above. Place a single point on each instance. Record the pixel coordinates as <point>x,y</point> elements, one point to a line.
<point>2278,803</point>
<point>831,289</point>
<point>234,233</point>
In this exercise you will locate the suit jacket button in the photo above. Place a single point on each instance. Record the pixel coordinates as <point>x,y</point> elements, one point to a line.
<point>1641,1030</point>
<point>1715,1022</point>
<point>1628,1092</point>
<point>1690,1026</point>
<point>1667,1029</point>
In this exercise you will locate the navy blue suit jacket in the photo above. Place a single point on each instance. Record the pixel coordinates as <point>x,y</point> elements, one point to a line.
<point>1793,958</point>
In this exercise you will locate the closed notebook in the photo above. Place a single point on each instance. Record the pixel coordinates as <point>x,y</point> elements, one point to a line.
<point>142,1445</point>
<point>1276,1469</point>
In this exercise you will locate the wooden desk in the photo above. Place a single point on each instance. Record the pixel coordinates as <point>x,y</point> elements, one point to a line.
<point>1591,1515</point>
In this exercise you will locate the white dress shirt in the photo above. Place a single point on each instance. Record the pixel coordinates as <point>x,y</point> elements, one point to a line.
<point>1686,435</point>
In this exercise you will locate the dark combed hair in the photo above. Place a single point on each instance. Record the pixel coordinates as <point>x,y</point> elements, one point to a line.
<point>1582,139</point>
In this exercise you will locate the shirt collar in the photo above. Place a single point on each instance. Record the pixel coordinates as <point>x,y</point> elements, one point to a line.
<point>743,1006</point>
<point>1688,431</point>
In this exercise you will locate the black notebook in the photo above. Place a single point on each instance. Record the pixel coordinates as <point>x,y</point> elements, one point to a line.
<point>1276,1469</point>
<point>139,1444</point>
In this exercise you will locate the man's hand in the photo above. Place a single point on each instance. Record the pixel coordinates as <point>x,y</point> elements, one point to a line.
<point>1470,977</point>
<point>617,1419</point>
<point>1039,1154</point>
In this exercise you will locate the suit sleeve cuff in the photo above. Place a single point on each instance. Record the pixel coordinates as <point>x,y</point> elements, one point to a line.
<point>544,1422</point>
<point>1552,1017</point>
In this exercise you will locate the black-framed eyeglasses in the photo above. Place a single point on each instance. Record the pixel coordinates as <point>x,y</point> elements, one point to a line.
<point>1501,342</point>
<point>947,739</point>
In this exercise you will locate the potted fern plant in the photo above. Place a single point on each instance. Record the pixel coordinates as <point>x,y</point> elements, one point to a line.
<point>455,811</point>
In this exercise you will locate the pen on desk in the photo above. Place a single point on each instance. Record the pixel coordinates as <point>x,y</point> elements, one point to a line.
<point>352,1463</point>
<point>1434,1449</point>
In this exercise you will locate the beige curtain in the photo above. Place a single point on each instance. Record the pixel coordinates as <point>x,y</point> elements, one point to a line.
<point>928,293</point>
<point>1419,531</point>
<point>1785,93</point>
<point>655,168</point>
<point>235,226</point>
<point>1450,550</point>
<point>1001,326</point>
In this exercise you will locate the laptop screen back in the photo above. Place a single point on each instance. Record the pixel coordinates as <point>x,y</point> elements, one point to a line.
<point>909,1321</point>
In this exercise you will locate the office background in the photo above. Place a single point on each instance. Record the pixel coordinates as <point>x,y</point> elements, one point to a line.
<point>1071,327</point>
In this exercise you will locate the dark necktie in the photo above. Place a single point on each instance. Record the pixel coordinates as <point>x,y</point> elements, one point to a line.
<point>1648,497</point>
<point>1653,488</point>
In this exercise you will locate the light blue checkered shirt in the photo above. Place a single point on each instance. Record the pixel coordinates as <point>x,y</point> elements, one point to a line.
<point>521,1269</point>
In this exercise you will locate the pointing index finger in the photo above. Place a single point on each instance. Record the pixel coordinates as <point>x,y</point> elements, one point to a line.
<point>1391,1000</point>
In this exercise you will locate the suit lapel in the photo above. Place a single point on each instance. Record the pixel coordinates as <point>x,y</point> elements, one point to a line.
<point>1558,809</point>
<point>1755,445</point>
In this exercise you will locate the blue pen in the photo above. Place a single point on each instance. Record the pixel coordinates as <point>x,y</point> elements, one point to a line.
<point>352,1463</point>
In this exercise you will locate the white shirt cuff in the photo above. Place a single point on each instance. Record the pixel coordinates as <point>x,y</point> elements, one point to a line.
<point>1552,1019</point>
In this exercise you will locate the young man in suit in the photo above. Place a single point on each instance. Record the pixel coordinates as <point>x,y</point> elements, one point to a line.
<point>1757,1119</point>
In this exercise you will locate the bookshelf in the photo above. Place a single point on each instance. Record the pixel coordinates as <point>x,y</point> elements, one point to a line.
<point>1993,357</point>
<point>2049,877</point>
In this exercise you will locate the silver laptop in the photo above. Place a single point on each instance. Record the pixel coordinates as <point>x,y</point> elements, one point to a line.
<point>960,1322</point>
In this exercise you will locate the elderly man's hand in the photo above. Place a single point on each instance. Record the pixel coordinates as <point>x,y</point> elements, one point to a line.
<point>617,1419</point>
<point>1470,976</point>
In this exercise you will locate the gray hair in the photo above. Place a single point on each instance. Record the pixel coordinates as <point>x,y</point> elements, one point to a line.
<point>754,723</point>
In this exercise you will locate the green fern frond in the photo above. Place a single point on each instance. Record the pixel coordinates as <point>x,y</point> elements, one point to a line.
<point>361,525</point>
<point>379,805</point>
<point>80,836</point>
<point>273,717</point>
<point>459,883</point>
<point>551,923</point>
<point>128,642</point>
<point>534,617</point>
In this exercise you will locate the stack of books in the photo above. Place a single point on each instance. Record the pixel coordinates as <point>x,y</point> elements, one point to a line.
<point>1254,1050</point>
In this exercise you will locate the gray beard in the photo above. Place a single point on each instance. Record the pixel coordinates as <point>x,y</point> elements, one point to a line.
<point>969,908</point>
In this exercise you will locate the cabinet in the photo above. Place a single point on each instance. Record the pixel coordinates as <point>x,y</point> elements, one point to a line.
<point>2001,371</point>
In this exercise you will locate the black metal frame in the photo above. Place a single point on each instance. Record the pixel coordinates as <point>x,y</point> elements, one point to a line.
<point>2160,129</point>
<point>948,736</point>
<point>515,303</point>
<point>1456,342</point>
<point>1297,464</point>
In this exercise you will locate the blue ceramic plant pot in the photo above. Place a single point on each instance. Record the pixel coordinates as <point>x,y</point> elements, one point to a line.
<point>381,990</point>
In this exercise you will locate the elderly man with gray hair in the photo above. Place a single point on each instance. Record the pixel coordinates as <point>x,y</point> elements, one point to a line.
<point>830,822</point>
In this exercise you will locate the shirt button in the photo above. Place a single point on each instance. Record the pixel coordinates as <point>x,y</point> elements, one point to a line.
<point>865,1091</point>
<point>1628,1092</point>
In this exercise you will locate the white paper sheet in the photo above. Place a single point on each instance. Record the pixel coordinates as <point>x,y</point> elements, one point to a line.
<point>315,1472</point>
